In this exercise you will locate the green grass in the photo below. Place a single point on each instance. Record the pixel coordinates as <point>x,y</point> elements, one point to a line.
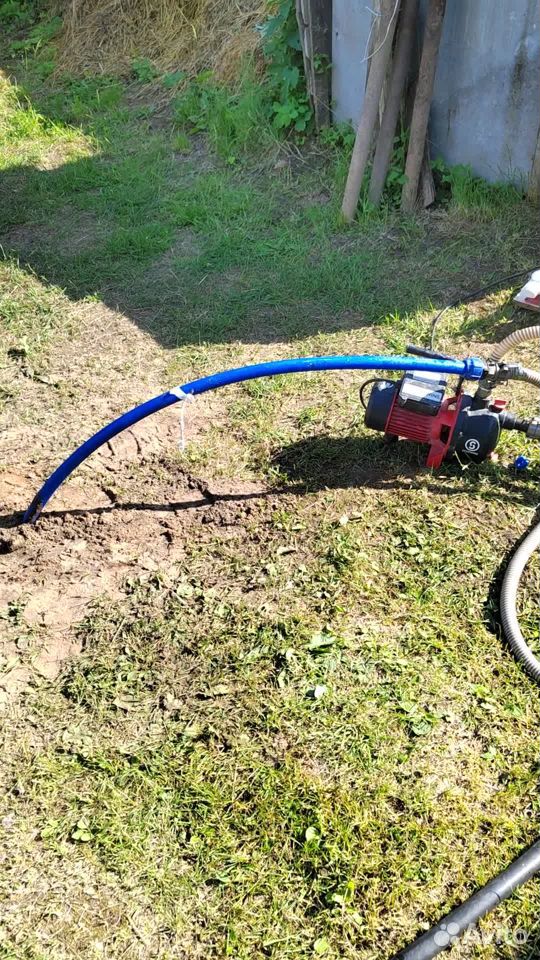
<point>31,319</point>
<point>308,740</point>
<point>278,236</point>
<point>185,751</point>
<point>234,121</point>
<point>475,196</point>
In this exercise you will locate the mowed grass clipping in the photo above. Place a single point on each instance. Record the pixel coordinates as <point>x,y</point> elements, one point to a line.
<point>310,740</point>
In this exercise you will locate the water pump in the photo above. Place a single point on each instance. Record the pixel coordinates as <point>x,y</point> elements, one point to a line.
<point>421,407</point>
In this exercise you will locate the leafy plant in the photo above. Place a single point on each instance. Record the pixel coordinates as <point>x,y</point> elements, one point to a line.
<point>395,177</point>
<point>285,72</point>
<point>170,80</point>
<point>339,135</point>
<point>15,14</point>
<point>234,120</point>
<point>143,69</point>
<point>44,67</point>
<point>190,106</point>
<point>39,37</point>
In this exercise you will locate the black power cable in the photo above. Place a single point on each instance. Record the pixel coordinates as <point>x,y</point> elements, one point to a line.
<point>474,296</point>
<point>367,383</point>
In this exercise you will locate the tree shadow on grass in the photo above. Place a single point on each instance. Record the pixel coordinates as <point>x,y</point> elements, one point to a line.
<point>195,252</point>
<point>179,276</point>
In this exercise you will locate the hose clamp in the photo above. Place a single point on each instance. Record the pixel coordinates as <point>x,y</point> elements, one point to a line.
<point>181,395</point>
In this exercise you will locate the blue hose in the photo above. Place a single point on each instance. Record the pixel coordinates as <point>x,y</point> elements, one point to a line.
<point>471,369</point>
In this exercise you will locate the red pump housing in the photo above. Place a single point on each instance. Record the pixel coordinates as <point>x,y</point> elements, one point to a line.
<point>436,431</point>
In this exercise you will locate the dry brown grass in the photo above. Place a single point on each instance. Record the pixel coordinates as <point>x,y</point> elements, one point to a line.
<point>190,35</point>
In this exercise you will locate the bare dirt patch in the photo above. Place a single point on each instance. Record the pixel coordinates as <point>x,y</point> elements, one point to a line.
<point>91,540</point>
<point>186,245</point>
<point>123,514</point>
<point>72,232</point>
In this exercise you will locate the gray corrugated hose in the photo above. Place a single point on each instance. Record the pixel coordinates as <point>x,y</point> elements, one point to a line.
<point>529,376</point>
<point>531,543</point>
<point>510,586</point>
<point>513,340</point>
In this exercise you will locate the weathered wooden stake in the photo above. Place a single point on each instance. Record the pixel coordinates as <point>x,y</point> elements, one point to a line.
<point>315,26</point>
<point>370,107</point>
<point>402,58</point>
<point>422,102</point>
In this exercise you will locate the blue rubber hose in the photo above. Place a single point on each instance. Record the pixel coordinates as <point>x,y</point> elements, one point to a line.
<point>471,369</point>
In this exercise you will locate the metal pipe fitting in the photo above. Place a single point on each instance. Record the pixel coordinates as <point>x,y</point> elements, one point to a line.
<point>533,430</point>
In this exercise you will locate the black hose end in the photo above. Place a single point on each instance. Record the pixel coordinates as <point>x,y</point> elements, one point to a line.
<point>509,421</point>
<point>425,352</point>
<point>466,916</point>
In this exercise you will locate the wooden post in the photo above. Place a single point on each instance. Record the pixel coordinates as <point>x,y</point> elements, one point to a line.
<point>402,58</point>
<point>422,102</point>
<point>534,179</point>
<point>315,26</point>
<point>370,107</point>
<point>426,193</point>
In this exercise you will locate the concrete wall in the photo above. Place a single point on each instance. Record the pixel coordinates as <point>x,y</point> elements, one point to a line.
<point>351,23</point>
<point>486,105</point>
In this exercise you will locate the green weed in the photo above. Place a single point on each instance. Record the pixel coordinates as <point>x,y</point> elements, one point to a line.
<point>234,121</point>
<point>181,142</point>
<point>173,79</point>
<point>38,37</point>
<point>143,69</point>
<point>474,196</point>
<point>286,82</point>
<point>338,135</point>
<point>247,118</point>
<point>16,13</point>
